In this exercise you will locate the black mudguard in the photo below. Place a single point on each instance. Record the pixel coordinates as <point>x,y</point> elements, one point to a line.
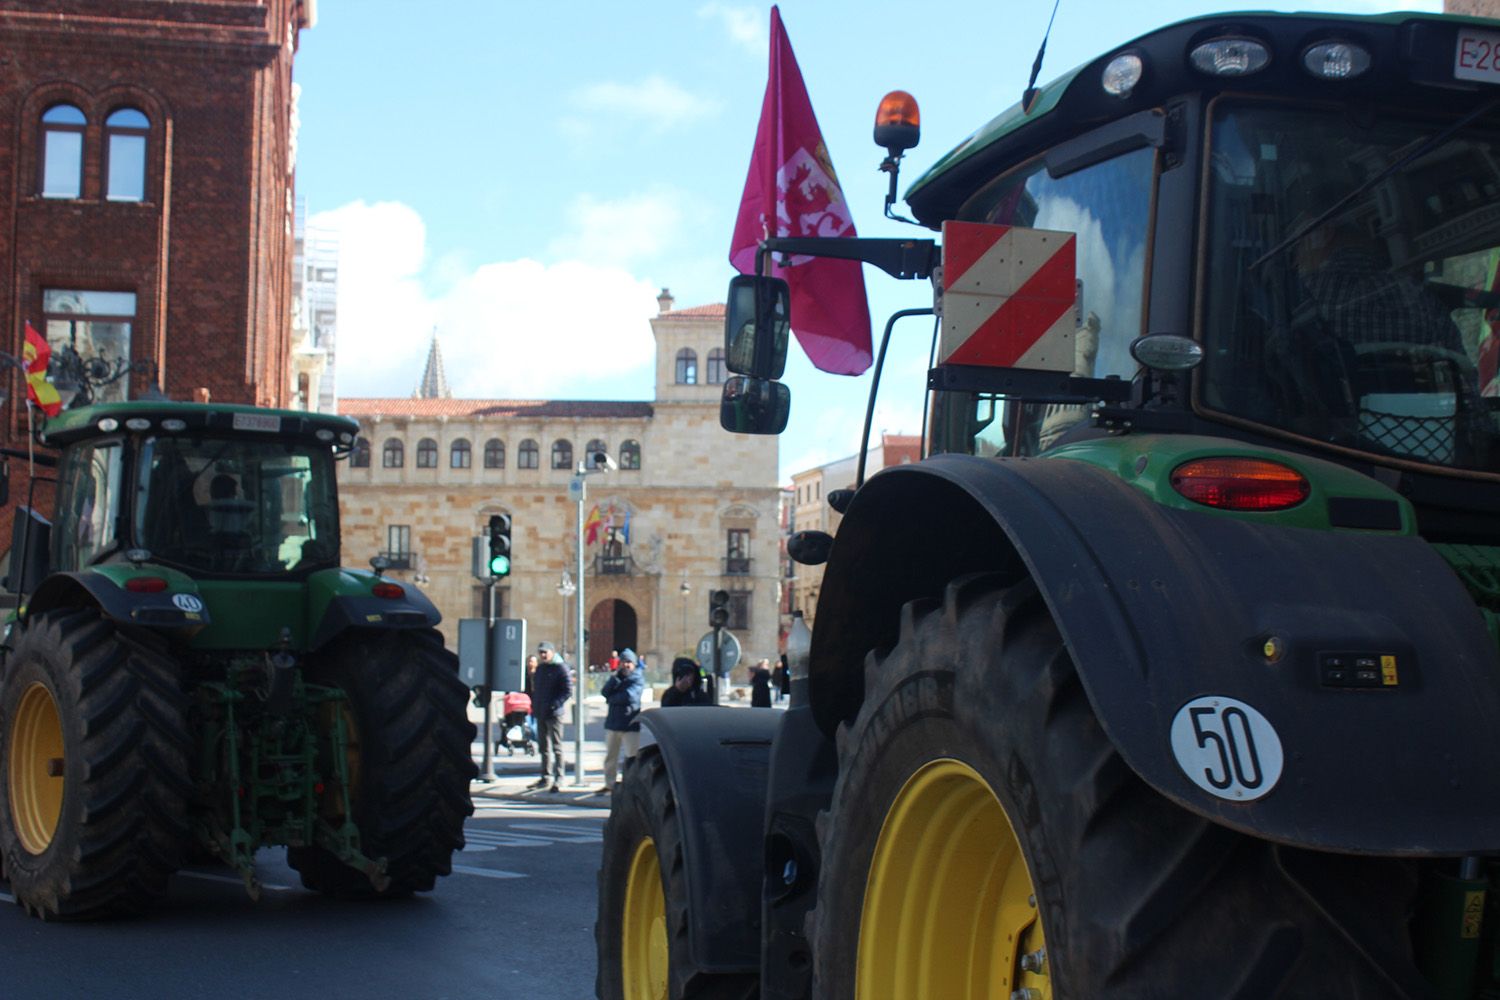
<point>115,603</point>
<point>1159,607</point>
<point>717,761</point>
<point>363,611</point>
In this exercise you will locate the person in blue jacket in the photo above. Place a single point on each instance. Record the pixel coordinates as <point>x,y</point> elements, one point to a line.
<point>622,725</point>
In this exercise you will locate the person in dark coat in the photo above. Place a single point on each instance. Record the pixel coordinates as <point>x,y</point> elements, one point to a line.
<point>552,687</point>
<point>622,724</point>
<point>760,685</point>
<point>779,679</point>
<point>687,685</point>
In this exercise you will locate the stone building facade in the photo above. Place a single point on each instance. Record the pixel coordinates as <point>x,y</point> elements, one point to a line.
<point>690,509</point>
<point>148,168</point>
<point>810,510</point>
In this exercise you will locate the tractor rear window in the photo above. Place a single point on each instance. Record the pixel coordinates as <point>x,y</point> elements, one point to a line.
<point>1376,326</point>
<point>237,506</point>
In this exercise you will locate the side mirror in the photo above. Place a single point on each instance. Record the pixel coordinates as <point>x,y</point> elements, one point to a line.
<point>757,319</point>
<point>754,405</point>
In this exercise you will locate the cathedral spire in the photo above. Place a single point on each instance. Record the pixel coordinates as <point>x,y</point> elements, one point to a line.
<point>434,384</point>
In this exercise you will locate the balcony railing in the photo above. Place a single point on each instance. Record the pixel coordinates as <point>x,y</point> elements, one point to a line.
<point>398,560</point>
<point>614,565</point>
<point>736,566</point>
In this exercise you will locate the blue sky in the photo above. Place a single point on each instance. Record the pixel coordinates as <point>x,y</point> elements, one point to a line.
<point>525,177</point>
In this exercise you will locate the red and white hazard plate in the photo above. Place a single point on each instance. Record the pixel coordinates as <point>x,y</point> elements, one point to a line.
<point>1009,297</point>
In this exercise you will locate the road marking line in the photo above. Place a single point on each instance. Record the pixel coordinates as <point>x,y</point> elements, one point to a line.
<point>233,880</point>
<point>486,872</point>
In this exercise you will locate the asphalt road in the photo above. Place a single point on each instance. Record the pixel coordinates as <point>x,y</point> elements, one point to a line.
<point>514,920</point>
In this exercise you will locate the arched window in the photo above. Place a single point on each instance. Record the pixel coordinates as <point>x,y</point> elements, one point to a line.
<point>687,367</point>
<point>494,454</point>
<point>715,371</point>
<point>427,454</point>
<point>62,151</point>
<point>359,458</point>
<point>630,455</point>
<point>459,454</point>
<point>125,132</point>
<point>528,456</point>
<point>596,447</point>
<point>392,455</point>
<point>562,454</point>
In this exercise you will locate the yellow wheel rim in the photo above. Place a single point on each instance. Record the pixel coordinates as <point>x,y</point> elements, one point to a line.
<point>949,907</point>
<point>36,782</point>
<point>643,938</point>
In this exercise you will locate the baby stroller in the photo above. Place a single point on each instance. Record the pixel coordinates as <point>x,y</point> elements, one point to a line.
<point>516,728</point>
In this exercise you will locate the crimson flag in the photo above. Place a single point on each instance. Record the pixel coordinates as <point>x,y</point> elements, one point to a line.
<point>791,181</point>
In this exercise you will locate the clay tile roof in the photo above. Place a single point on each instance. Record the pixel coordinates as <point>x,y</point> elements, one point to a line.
<point>714,311</point>
<point>539,409</point>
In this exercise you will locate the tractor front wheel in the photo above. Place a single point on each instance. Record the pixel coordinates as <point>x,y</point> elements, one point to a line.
<point>641,933</point>
<point>986,839</point>
<point>94,790</point>
<point>408,759</point>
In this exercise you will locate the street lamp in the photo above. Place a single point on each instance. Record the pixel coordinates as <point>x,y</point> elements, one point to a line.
<point>592,463</point>
<point>685,590</point>
<point>565,590</point>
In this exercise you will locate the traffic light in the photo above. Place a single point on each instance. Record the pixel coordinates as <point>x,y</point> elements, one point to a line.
<point>499,545</point>
<point>718,608</point>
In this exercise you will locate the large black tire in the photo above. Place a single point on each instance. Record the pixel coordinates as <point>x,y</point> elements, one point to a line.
<point>643,809</point>
<point>412,762</point>
<point>1137,897</point>
<point>104,844</point>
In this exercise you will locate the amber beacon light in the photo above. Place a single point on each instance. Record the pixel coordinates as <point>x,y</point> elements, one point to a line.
<point>898,122</point>
<point>1252,484</point>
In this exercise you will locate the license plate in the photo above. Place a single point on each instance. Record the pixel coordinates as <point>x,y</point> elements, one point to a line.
<point>257,422</point>
<point>1477,56</point>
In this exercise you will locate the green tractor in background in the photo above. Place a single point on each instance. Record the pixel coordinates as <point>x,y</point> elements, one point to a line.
<point>190,673</point>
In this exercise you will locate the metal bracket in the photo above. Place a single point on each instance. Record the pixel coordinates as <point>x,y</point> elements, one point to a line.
<point>1028,384</point>
<point>898,258</point>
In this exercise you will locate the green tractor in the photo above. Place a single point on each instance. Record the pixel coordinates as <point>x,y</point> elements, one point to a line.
<point>191,675</point>
<point>1173,669</point>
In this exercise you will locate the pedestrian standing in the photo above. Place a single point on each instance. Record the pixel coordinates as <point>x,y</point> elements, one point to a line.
<point>786,678</point>
<point>622,723</point>
<point>687,685</point>
<point>778,674</point>
<point>760,685</point>
<point>554,686</point>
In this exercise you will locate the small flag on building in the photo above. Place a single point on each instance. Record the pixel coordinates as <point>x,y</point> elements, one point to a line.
<point>592,525</point>
<point>37,353</point>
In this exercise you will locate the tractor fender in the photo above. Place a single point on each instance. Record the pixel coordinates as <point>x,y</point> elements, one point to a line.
<point>177,607</point>
<point>717,762</point>
<point>1159,607</point>
<point>342,599</point>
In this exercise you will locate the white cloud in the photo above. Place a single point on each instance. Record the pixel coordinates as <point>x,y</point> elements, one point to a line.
<point>622,231</point>
<point>747,26</point>
<point>655,100</point>
<point>511,329</point>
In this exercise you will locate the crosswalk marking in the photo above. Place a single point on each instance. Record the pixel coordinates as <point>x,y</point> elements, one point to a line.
<point>486,872</point>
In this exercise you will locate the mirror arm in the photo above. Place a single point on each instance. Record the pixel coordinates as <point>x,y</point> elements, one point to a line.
<point>885,340</point>
<point>898,258</point>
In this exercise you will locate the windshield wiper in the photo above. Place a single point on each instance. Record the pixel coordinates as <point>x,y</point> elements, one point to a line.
<point>1405,161</point>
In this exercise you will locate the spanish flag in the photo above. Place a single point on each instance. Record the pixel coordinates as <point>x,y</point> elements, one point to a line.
<point>37,354</point>
<point>591,525</point>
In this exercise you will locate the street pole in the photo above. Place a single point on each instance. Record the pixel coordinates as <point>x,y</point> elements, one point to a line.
<point>718,659</point>
<point>578,641</point>
<point>489,693</point>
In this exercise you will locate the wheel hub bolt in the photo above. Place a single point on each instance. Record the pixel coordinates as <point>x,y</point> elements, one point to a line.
<point>1035,961</point>
<point>1026,993</point>
<point>789,872</point>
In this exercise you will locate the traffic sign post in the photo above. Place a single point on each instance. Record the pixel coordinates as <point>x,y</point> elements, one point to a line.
<point>720,648</point>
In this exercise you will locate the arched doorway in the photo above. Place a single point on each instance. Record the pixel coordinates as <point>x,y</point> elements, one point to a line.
<point>612,625</point>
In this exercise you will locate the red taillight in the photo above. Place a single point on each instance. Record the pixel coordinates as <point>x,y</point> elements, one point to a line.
<point>145,585</point>
<point>1240,483</point>
<point>390,591</point>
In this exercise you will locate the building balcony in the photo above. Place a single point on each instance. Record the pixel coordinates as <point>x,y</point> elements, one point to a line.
<point>398,560</point>
<point>737,566</point>
<point>614,565</point>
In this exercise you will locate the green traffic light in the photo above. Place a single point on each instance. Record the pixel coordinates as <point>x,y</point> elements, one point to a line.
<point>499,565</point>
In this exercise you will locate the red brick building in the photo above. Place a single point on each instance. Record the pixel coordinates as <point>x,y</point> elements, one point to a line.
<point>147,169</point>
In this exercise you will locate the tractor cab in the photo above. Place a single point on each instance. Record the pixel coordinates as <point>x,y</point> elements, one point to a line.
<point>210,491</point>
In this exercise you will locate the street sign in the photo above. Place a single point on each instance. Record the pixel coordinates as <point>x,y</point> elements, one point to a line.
<point>575,489</point>
<point>471,651</point>
<point>729,649</point>
<point>508,641</point>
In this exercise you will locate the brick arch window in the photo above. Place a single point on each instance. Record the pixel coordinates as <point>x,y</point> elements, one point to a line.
<point>687,366</point>
<point>630,455</point>
<point>392,454</point>
<point>460,455</point>
<point>494,454</point>
<point>62,152</point>
<point>528,456</point>
<point>427,454</point>
<point>562,454</point>
<point>125,133</point>
<point>359,458</point>
<point>715,373</point>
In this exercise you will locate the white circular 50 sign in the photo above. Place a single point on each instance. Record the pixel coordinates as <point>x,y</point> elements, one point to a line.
<point>1227,748</point>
